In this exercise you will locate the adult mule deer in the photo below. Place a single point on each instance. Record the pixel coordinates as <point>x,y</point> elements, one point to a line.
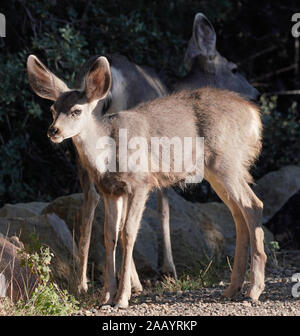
<point>205,66</point>
<point>231,128</point>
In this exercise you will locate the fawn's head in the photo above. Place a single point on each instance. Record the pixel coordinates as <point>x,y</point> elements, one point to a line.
<point>72,108</point>
<point>207,67</point>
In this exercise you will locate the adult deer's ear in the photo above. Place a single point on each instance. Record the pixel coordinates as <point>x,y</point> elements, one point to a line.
<point>42,81</point>
<point>98,79</point>
<point>203,41</point>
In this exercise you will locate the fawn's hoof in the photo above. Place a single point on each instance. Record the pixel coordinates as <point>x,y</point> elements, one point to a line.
<point>105,307</point>
<point>232,291</point>
<point>107,299</point>
<point>255,291</point>
<point>137,288</point>
<point>82,288</point>
<point>121,304</point>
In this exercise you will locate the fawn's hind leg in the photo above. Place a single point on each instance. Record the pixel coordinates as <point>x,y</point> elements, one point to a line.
<point>253,214</point>
<point>251,208</point>
<point>242,239</point>
<point>168,266</point>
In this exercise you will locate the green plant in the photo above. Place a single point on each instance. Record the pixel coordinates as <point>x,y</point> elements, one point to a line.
<point>204,276</point>
<point>47,298</point>
<point>274,247</point>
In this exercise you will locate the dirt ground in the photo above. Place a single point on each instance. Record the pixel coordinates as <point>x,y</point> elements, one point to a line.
<point>277,298</point>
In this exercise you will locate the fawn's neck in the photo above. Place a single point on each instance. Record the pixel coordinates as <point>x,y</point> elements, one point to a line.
<point>87,141</point>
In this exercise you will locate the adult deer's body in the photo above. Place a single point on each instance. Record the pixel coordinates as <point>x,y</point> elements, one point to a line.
<point>231,129</point>
<point>132,85</point>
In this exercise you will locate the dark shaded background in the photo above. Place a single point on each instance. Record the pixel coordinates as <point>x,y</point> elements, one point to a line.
<point>255,34</point>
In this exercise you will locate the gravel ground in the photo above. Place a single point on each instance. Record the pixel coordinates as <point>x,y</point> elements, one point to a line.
<point>277,299</point>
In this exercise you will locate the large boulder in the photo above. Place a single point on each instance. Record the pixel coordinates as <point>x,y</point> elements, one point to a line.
<point>195,237</point>
<point>69,208</point>
<point>276,188</point>
<point>22,210</point>
<point>48,230</point>
<point>199,231</point>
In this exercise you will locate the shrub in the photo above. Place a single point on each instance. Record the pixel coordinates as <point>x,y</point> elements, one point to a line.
<point>47,298</point>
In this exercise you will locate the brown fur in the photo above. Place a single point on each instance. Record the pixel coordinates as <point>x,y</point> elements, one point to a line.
<point>220,116</point>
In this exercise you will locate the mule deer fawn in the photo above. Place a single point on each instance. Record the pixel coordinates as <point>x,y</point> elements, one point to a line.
<point>230,126</point>
<point>134,84</point>
<point>131,84</point>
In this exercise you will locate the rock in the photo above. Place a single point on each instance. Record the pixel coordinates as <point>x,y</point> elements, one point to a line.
<point>43,229</point>
<point>68,208</point>
<point>199,231</point>
<point>146,251</point>
<point>275,189</point>
<point>22,210</point>
<point>187,238</point>
<point>16,281</point>
<point>62,231</point>
<point>286,224</point>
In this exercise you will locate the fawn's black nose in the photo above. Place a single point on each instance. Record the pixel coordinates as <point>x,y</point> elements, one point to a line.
<point>52,131</point>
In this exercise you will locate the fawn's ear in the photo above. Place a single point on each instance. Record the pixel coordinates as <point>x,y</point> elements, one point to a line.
<point>98,79</point>
<point>203,41</point>
<point>42,81</point>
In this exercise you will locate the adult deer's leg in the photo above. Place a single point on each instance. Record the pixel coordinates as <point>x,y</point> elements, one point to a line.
<point>136,204</point>
<point>90,201</point>
<point>168,266</point>
<point>242,239</point>
<point>113,217</point>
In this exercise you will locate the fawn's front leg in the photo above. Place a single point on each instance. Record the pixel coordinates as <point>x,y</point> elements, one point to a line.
<point>113,217</point>
<point>90,201</point>
<point>136,205</point>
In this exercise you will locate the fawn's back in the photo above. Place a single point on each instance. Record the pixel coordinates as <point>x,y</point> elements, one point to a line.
<point>229,124</point>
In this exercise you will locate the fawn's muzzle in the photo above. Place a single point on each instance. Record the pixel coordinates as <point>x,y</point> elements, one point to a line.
<point>52,132</point>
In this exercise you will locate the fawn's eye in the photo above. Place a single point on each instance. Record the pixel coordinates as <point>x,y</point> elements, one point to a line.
<point>75,113</point>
